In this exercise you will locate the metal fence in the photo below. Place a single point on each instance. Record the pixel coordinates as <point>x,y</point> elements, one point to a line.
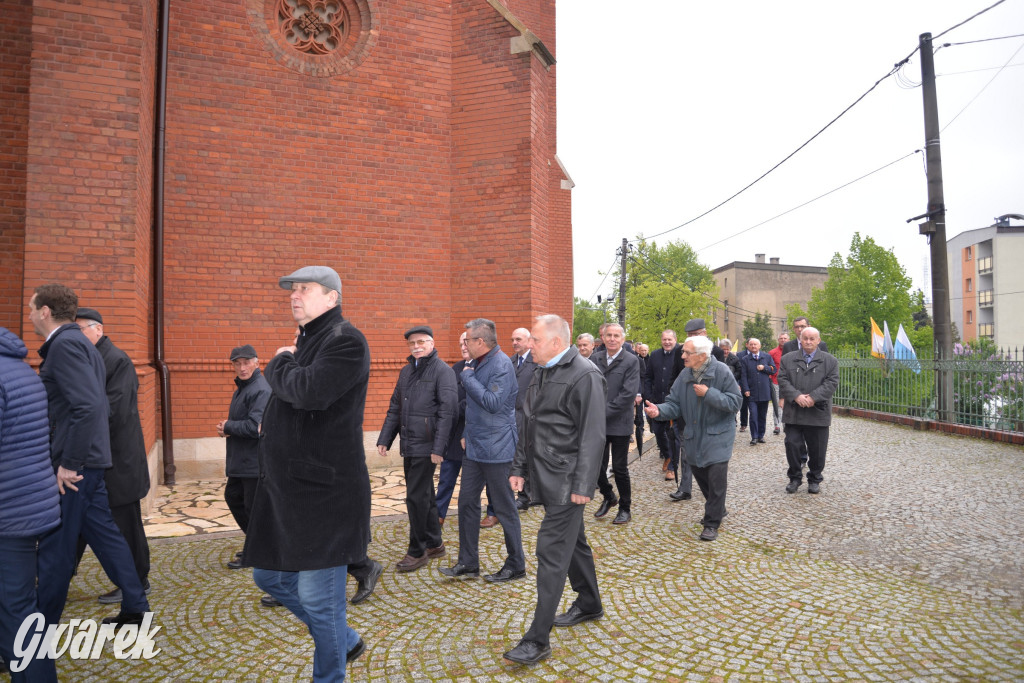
<point>988,386</point>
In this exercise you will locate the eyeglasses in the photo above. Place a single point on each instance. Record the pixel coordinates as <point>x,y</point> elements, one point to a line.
<point>420,342</point>
<point>85,327</point>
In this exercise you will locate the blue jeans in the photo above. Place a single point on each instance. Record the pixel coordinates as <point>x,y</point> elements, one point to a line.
<point>317,598</point>
<point>17,601</point>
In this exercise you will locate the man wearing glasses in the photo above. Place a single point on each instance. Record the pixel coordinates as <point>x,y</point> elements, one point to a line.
<point>424,407</point>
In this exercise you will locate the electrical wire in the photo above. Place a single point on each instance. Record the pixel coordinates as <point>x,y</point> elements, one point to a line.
<point>607,273</point>
<point>974,71</point>
<point>973,16</point>
<point>982,40</point>
<point>994,77</point>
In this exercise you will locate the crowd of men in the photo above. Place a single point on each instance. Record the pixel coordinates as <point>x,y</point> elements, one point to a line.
<point>548,425</point>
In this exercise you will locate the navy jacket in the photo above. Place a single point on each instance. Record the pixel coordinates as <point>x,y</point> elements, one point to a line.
<point>243,425</point>
<point>623,380</point>
<point>128,478</point>
<point>491,390</point>
<point>29,501</point>
<point>757,382</point>
<point>423,408</point>
<point>662,371</point>
<point>455,449</point>
<point>75,381</point>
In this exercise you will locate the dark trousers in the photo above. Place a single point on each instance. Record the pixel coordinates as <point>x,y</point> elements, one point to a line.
<point>562,550</point>
<point>86,513</point>
<point>128,518</point>
<point>758,418</point>
<point>684,473</point>
<point>494,475</point>
<point>17,601</point>
<point>744,411</point>
<point>446,481</point>
<point>665,437</point>
<point>420,503</point>
<point>238,494</point>
<point>813,441</point>
<point>713,481</point>
<point>618,446</point>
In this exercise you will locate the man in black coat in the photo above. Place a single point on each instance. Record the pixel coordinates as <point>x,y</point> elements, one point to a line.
<point>242,431</point>
<point>424,408</point>
<point>662,370</point>
<point>127,479</point>
<point>74,377</point>
<point>799,325</point>
<point>621,370</point>
<point>561,447</point>
<point>522,361</point>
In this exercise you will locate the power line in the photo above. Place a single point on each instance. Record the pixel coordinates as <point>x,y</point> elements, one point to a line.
<point>811,201</point>
<point>973,16</point>
<point>980,40</point>
<point>974,71</point>
<point>607,273</point>
<point>994,77</point>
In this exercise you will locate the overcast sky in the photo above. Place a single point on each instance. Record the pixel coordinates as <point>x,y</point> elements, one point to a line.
<point>668,107</point>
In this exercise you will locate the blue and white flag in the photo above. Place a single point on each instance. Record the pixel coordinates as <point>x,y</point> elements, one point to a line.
<point>903,352</point>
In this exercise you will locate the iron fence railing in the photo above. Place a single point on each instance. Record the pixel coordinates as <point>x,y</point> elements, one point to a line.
<point>988,387</point>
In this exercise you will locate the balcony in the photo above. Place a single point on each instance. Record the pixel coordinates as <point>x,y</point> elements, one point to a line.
<point>985,298</point>
<point>985,265</point>
<point>987,330</point>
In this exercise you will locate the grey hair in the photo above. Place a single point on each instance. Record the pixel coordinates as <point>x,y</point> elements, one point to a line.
<point>754,339</point>
<point>700,344</point>
<point>810,329</point>
<point>485,330</point>
<point>586,336</point>
<point>555,327</point>
<point>725,342</point>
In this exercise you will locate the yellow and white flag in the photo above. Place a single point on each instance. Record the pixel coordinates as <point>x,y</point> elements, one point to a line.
<point>877,341</point>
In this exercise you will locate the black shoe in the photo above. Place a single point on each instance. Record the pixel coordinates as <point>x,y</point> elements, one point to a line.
<point>606,505</point>
<point>235,563</point>
<point>528,652</point>
<point>460,571</point>
<point>622,517</point>
<point>506,574</point>
<point>753,442</point>
<point>522,504</point>
<point>365,586</point>
<point>679,495</point>
<point>574,615</point>
<point>356,650</point>
<point>813,487</point>
<point>709,534</point>
<point>776,432</point>
<point>114,596</point>
<point>760,440</point>
<point>792,486</point>
<point>270,601</point>
<point>124,619</point>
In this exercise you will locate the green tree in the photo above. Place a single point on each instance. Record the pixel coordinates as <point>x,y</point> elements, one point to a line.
<point>869,283</point>
<point>665,287</point>
<point>587,317</point>
<point>760,327</point>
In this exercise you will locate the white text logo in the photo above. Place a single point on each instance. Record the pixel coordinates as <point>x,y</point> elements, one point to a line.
<point>81,639</point>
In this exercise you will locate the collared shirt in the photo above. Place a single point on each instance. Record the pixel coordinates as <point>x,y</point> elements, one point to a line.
<point>808,357</point>
<point>557,358</point>
<point>611,358</point>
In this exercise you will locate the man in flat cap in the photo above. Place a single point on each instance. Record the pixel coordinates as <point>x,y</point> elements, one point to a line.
<point>423,409</point>
<point>127,480</point>
<point>242,431</point>
<point>311,515</point>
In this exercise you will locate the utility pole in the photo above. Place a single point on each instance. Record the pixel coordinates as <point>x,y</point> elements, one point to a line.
<point>622,284</point>
<point>935,228</point>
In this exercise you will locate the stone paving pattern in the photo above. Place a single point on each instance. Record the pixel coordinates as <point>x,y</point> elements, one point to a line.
<point>908,566</point>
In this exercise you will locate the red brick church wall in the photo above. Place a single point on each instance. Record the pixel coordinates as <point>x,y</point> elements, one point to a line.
<point>421,167</point>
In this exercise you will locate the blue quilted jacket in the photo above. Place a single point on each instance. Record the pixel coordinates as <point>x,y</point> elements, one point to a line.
<point>29,501</point>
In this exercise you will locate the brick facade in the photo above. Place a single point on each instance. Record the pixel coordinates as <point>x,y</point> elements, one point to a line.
<point>422,168</point>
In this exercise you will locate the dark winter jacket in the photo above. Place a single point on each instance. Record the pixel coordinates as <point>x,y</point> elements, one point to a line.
<point>733,361</point>
<point>423,408</point>
<point>757,382</point>
<point>563,439</point>
<point>29,501</point>
<point>242,427</point>
<point>524,373</point>
<point>623,380</point>
<point>75,381</point>
<point>456,451</point>
<point>491,390</point>
<point>662,371</point>
<point>128,478</point>
<point>819,380</point>
<point>312,503</point>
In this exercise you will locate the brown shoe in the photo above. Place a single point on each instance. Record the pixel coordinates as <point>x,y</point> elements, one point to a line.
<point>664,464</point>
<point>410,563</point>
<point>435,552</point>
<point>488,521</point>
<point>440,521</point>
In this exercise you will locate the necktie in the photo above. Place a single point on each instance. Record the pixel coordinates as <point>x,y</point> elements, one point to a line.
<point>520,362</point>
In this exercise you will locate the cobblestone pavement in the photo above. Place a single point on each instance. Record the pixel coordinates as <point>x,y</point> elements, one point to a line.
<point>908,566</point>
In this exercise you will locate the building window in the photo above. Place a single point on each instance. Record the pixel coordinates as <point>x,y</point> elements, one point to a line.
<point>970,285</point>
<point>968,252</point>
<point>970,317</point>
<point>726,314</point>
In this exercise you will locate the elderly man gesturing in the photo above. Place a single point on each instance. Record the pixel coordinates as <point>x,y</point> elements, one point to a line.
<point>705,397</point>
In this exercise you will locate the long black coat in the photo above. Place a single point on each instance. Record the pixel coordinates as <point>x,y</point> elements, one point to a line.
<point>524,373</point>
<point>423,408</point>
<point>312,503</point>
<point>128,478</point>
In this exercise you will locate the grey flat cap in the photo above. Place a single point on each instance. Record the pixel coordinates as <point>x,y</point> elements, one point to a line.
<point>244,351</point>
<point>694,325</point>
<point>89,314</point>
<point>322,275</point>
